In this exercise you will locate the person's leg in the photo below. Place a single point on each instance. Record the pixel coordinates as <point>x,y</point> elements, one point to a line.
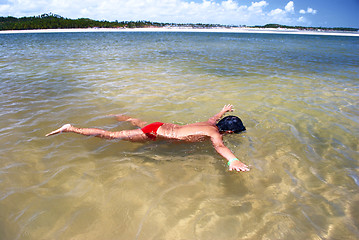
<point>135,135</point>
<point>134,121</point>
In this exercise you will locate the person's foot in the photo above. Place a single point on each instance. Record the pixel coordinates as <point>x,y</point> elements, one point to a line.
<point>122,118</point>
<point>64,128</point>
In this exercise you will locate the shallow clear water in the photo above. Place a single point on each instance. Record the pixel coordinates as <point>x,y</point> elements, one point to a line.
<point>297,95</point>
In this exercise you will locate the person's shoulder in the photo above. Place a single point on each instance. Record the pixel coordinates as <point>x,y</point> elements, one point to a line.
<point>212,130</point>
<point>206,123</point>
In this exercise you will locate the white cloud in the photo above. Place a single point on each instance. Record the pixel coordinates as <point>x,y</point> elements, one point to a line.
<point>301,19</point>
<point>309,10</point>
<point>177,11</point>
<point>289,7</point>
<point>229,5</point>
<point>283,16</point>
<point>257,6</point>
<point>4,8</point>
<point>304,21</point>
<point>276,12</point>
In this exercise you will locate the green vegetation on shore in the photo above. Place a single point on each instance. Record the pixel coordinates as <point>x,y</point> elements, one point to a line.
<point>308,28</point>
<point>53,21</point>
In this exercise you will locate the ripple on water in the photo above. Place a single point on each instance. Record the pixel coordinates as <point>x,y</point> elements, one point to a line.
<point>297,96</point>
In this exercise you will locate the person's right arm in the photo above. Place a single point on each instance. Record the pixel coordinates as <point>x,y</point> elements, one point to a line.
<point>227,154</point>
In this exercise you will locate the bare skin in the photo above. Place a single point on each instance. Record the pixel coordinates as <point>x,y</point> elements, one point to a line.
<point>194,132</point>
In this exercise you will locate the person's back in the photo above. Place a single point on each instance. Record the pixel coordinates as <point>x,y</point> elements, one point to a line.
<point>194,132</point>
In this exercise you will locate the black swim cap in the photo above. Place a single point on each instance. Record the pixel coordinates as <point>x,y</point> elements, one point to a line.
<point>231,123</point>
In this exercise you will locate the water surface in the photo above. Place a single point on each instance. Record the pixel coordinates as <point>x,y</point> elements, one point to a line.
<point>297,95</point>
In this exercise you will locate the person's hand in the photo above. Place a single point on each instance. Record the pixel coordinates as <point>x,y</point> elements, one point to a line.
<point>228,108</point>
<point>238,166</point>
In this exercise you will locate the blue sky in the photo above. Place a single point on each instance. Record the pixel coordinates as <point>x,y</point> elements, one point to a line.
<point>325,13</point>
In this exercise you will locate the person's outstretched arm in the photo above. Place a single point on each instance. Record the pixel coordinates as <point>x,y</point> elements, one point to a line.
<point>227,108</point>
<point>233,162</point>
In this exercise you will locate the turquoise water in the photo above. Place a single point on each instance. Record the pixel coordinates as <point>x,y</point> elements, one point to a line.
<point>298,97</point>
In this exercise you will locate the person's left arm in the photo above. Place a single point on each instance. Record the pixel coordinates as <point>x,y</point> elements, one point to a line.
<point>234,163</point>
<point>227,108</point>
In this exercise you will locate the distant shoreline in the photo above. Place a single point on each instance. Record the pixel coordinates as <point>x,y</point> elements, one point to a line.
<point>185,29</point>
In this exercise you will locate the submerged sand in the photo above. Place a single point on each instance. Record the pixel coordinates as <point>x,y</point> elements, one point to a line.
<point>297,95</point>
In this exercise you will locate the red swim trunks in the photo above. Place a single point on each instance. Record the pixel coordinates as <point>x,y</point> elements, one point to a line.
<point>151,130</point>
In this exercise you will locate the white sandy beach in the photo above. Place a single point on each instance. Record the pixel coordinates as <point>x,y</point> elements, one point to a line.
<point>184,29</point>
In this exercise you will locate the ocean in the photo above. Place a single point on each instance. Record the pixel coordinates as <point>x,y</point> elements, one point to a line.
<point>297,95</point>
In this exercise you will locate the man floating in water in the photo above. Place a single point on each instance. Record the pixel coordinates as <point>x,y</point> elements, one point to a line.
<point>194,132</point>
